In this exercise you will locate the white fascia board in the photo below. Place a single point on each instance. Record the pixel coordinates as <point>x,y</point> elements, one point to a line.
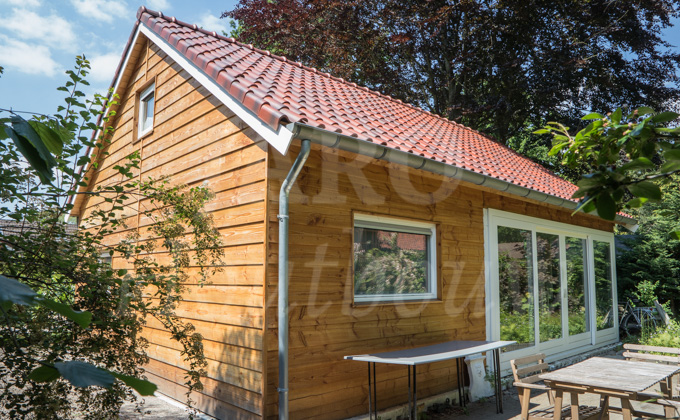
<point>280,139</point>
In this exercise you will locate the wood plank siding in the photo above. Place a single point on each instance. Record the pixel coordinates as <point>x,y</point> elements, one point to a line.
<point>196,140</point>
<point>326,325</point>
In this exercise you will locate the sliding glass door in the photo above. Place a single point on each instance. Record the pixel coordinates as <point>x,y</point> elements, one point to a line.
<point>551,284</point>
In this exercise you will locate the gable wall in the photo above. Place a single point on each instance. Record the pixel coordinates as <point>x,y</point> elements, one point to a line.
<point>195,140</point>
<point>324,323</point>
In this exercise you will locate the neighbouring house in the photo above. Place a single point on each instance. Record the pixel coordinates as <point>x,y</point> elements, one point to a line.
<point>404,229</point>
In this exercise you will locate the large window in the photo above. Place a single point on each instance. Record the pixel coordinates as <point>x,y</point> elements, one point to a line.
<point>551,285</point>
<point>394,259</point>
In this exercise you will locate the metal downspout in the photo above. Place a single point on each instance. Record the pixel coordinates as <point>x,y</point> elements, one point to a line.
<point>283,276</point>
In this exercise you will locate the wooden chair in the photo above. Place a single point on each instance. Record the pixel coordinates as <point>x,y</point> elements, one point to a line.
<point>525,371</point>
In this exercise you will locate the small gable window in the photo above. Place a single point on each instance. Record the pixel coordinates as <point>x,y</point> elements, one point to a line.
<point>146,106</point>
<point>394,259</point>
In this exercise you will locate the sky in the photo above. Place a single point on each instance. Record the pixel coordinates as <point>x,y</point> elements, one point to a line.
<point>39,40</point>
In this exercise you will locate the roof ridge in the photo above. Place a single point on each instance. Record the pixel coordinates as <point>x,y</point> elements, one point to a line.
<point>195,27</point>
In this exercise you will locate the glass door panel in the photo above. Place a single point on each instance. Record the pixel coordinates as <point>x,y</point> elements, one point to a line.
<point>604,301</point>
<point>516,286</point>
<point>577,289</point>
<point>549,286</point>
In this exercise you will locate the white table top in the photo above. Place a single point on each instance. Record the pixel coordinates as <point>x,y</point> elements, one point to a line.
<point>614,374</point>
<point>433,353</point>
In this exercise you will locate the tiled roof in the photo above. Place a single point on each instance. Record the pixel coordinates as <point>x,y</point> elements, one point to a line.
<point>279,91</point>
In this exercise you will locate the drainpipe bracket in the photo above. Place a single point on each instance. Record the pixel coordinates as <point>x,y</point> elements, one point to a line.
<point>282,217</point>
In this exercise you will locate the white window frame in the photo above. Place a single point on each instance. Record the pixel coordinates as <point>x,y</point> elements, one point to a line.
<point>405,226</point>
<point>567,345</point>
<point>144,126</point>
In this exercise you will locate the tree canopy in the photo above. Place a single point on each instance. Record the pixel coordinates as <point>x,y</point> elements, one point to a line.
<point>502,67</point>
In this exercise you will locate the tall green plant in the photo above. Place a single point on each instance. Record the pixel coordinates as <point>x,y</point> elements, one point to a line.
<point>71,323</point>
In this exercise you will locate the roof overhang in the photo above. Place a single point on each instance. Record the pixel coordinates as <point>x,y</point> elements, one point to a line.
<point>279,139</point>
<point>376,151</point>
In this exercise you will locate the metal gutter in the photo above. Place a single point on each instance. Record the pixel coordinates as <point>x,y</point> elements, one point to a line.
<point>362,147</point>
<point>283,276</point>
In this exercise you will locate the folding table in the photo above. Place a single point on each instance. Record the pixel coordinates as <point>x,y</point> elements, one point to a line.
<point>429,354</point>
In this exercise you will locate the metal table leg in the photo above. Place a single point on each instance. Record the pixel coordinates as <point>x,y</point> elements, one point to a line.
<point>410,407</point>
<point>375,394</point>
<point>415,397</point>
<point>499,387</point>
<point>370,408</point>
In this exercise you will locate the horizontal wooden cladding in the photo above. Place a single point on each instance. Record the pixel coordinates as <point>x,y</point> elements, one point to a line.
<point>235,375</point>
<point>223,333</point>
<point>224,295</point>
<point>218,313</point>
<point>233,255</point>
<point>221,399</point>
<point>196,140</point>
<point>392,389</point>
<point>325,323</point>
<point>544,211</point>
<point>214,350</point>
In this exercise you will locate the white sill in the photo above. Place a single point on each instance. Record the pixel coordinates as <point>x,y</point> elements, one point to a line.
<point>394,298</point>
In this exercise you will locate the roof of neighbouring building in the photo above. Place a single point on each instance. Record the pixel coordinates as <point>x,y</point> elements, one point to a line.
<point>279,91</point>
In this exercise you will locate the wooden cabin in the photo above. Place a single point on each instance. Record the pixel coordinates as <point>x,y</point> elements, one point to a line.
<point>405,229</point>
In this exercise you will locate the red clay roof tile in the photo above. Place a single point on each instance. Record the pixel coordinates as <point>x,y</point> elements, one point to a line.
<point>280,91</point>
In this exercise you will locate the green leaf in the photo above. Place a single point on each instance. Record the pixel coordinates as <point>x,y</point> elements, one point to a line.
<point>616,116</point>
<point>586,205</point>
<point>82,318</point>
<point>674,234</point>
<point>670,167</point>
<point>83,374</point>
<point>51,138</point>
<point>665,117</point>
<point>44,374</point>
<point>646,189</point>
<point>645,110</point>
<point>673,154</point>
<point>593,116</point>
<point>23,128</point>
<point>636,164</point>
<point>606,206</point>
<point>3,134</point>
<point>142,386</point>
<point>542,131</point>
<point>637,202</point>
<point>31,154</point>
<point>557,148</point>
<point>16,292</point>
<point>590,181</point>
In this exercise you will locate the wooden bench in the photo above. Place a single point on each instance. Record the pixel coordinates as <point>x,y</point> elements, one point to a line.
<point>668,355</point>
<point>656,354</point>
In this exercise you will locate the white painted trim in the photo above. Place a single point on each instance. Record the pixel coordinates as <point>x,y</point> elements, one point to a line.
<point>280,139</point>
<point>407,226</point>
<point>142,105</point>
<point>577,343</point>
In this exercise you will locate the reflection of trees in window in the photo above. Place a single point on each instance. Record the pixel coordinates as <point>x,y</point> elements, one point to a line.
<point>516,284</point>
<point>577,290</point>
<point>603,285</point>
<point>549,287</point>
<point>388,263</point>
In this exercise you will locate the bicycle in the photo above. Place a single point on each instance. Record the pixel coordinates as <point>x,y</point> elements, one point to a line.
<point>636,319</point>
